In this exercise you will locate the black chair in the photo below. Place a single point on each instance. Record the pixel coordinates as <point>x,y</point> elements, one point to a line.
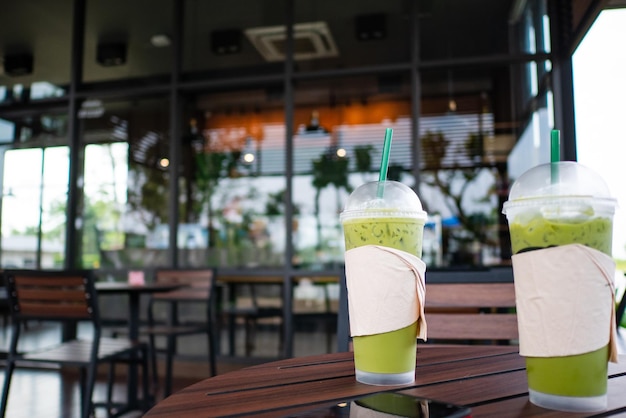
<point>343,319</point>
<point>4,304</point>
<point>164,319</point>
<point>249,315</point>
<point>65,297</point>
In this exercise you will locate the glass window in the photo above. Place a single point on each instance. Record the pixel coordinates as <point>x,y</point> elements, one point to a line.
<point>36,56</point>
<point>34,203</point>
<point>339,131</point>
<point>126,183</point>
<point>7,131</point>
<point>233,195</point>
<point>599,85</point>
<point>530,27</point>
<point>466,131</point>
<point>35,129</point>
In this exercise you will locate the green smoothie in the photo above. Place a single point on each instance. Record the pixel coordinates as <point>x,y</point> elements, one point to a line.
<point>581,375</point>
<point>390,352</point>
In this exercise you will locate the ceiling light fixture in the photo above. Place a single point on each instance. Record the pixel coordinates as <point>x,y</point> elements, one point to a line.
<point>226,41</point>
<point>160,40</point>
<point>371,27</point>
<point>16,65</point>
<point>451,100</point>
<point>111,54</point>
<point>91,109</point>
<point>311,40</point>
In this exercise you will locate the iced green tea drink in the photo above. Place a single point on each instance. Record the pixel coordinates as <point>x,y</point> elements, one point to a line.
<point>583,375</point>
<point>576,209</point>
<point>391,352</point>
<point>397,222</point>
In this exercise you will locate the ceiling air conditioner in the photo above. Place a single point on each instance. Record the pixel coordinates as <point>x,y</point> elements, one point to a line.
<point>311,41</point>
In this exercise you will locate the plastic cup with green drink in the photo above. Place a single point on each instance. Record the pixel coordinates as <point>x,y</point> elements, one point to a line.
<point>393,219</point>
<point>556,205</point>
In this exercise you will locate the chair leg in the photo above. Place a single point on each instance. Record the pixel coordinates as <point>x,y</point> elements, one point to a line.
<point>153,360</point>
<point>82,382</point>
<point>8,373</point>
<point>169,360</point>
<point>147,396</point>
<point>211,350</point>
<point>250,330</point>
<point>88,377</point>
<point>110,383</point>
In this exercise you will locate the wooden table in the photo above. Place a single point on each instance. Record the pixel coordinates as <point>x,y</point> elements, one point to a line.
<point>134,293</point>
<point>489,379</point>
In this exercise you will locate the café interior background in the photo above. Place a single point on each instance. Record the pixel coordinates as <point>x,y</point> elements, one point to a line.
<point>229,134</point>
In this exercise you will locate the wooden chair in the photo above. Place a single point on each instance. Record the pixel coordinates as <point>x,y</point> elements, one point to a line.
<point>476,306</point>
<point>66,297</point>
<point>471,312</point>
<point>198,291</point>
<point>248,314</point>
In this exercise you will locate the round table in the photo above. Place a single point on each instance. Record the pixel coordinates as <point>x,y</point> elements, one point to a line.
<point>489,379</point>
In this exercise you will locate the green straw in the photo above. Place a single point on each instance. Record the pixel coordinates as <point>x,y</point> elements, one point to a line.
<point>384,163</point>
<point>555,154</point>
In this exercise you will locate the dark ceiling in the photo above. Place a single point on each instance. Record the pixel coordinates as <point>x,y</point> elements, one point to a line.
<point>448,30</point>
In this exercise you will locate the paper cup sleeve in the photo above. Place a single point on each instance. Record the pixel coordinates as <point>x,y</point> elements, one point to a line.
<point>386,290</point>
<point>565,299</point>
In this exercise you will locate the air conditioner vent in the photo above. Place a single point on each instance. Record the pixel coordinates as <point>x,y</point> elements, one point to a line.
<point>311,41</point>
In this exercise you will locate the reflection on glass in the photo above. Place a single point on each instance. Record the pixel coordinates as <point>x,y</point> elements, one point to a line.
<point>45,90</point>
<point>37,129</point>
<point>339,132</point>
<point>126,185</point>
<point>7,130</point>
<point>234,186</point>
<point>105,198</point>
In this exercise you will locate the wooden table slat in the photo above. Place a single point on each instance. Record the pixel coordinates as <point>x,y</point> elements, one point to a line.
<point>490,379</point>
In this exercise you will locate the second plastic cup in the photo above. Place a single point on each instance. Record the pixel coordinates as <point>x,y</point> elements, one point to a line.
<point>553,205</point>
<point>395,220</point>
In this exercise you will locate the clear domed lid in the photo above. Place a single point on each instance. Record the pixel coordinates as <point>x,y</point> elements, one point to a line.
<point>369,200</point>
<point>564,181</point>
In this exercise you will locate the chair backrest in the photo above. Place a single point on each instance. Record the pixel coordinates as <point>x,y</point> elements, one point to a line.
<point>474,305</point>
<point>196,292</point>
<point>471,311</point>
<point>52,295</point>
<point>198,283</point>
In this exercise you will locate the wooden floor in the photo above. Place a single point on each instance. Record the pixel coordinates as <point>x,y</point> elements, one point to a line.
<point>55,394</point>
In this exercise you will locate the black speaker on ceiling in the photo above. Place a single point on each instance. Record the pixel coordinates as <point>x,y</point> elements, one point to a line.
<point>226,41</point>
<point>18,64</point>
<point>112,54</point>
<point>371,26</point>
